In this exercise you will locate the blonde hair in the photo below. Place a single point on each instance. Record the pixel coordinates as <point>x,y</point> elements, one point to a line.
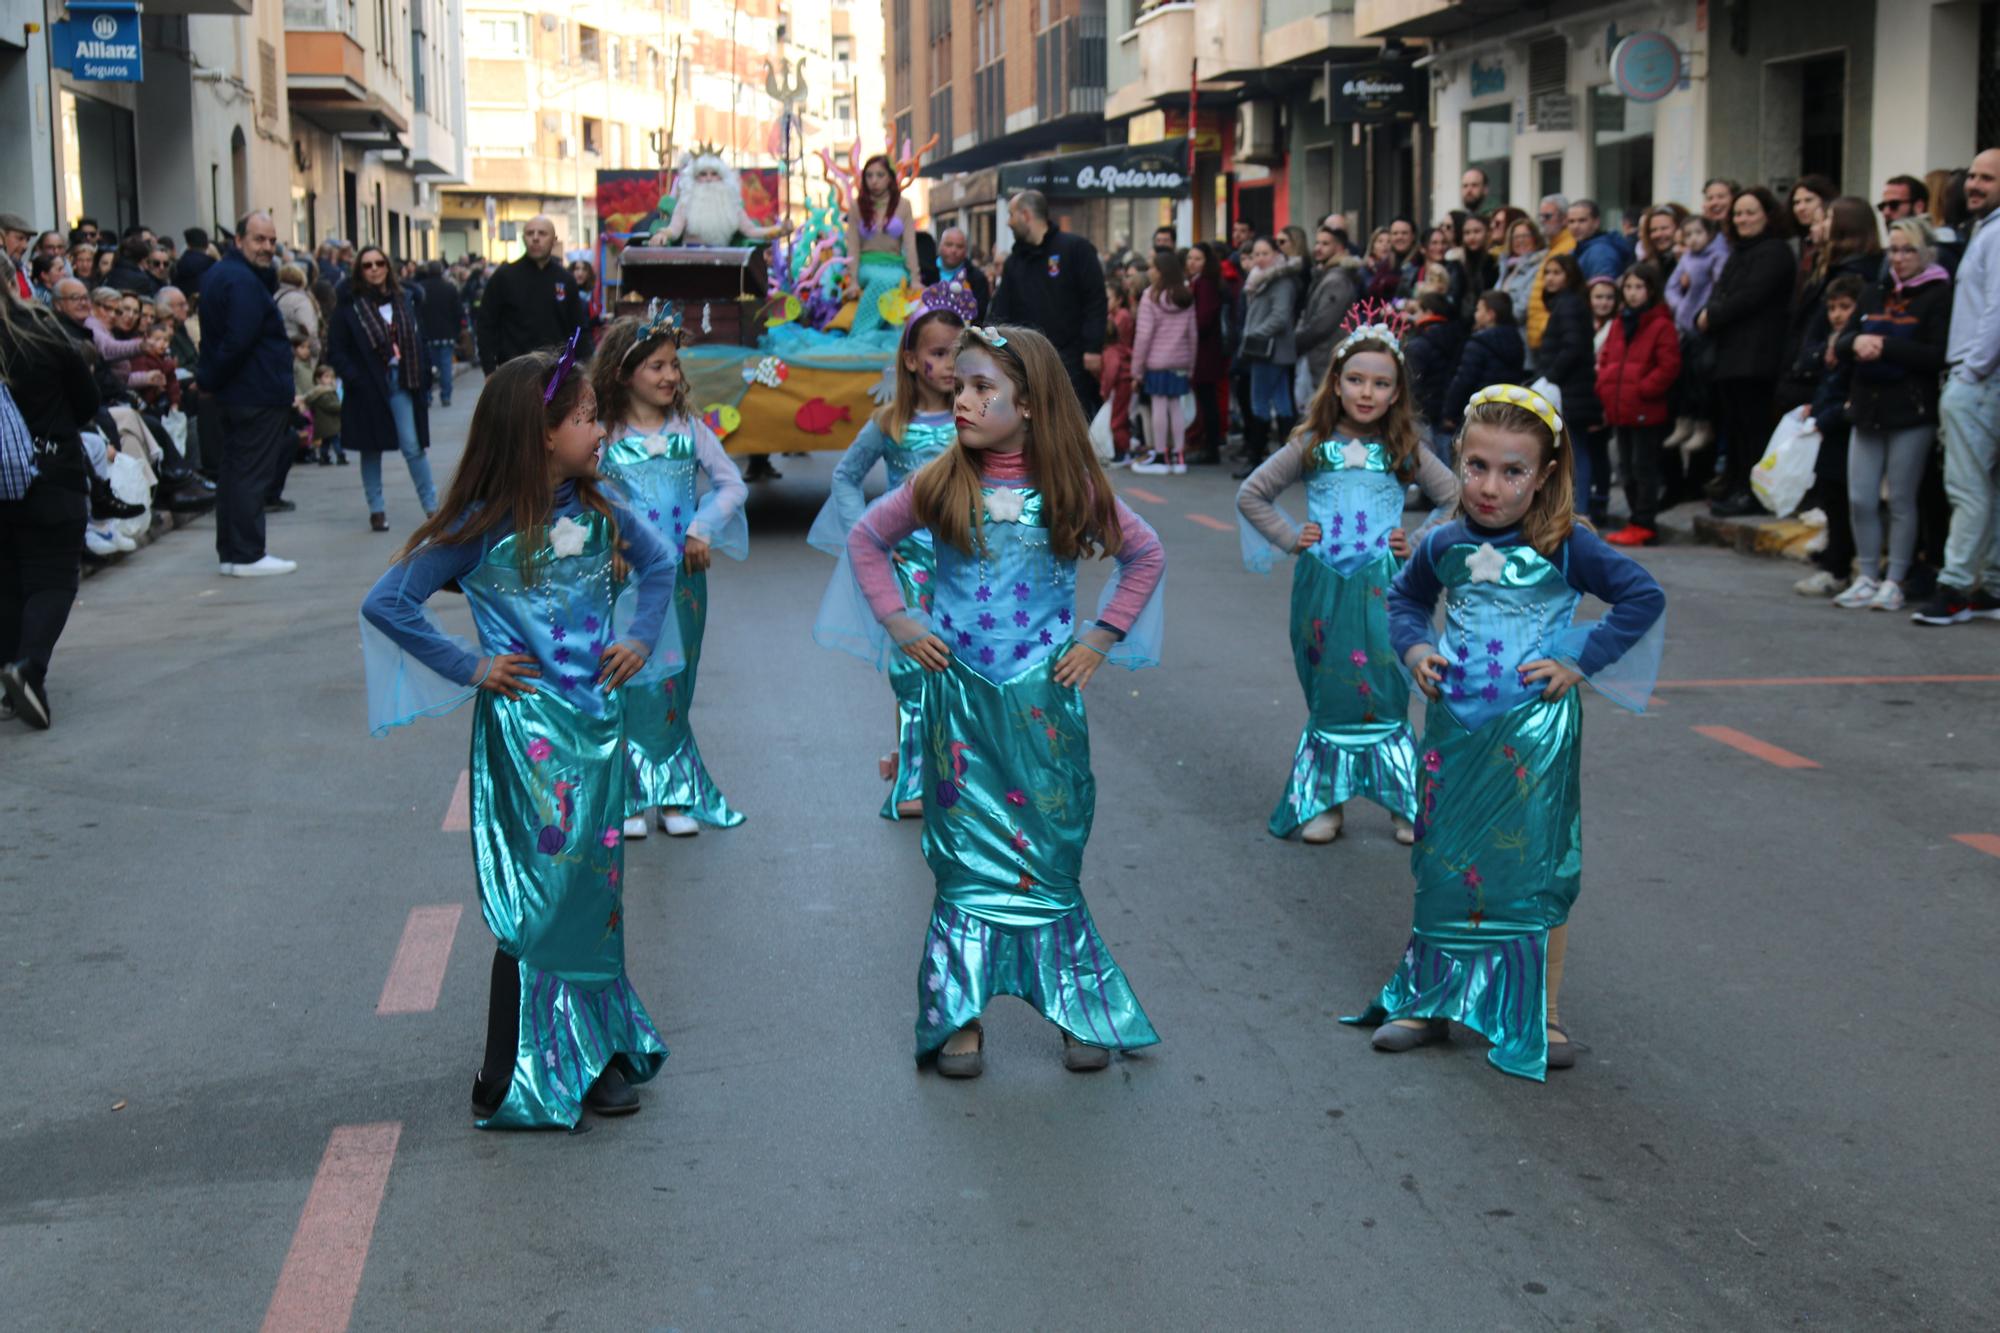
<point>1077,502</point>
<point>1551,515</point>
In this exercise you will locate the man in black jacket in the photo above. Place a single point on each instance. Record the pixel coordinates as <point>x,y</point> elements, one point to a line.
<point>529,304</point>
<point>1052,283</point>
<point>442,315</point>
<point>129,273</point>
<point>246,365</point>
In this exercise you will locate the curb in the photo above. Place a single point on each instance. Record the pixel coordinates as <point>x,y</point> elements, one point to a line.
<point>1765,535</point>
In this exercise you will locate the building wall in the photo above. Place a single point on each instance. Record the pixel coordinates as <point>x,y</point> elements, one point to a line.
<point>1929,120</point>
<point>1755,52</point>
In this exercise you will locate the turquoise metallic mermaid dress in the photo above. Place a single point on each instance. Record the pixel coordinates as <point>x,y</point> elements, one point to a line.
<point>1009,799</point>
<point>879,273</point>
<point>1357,739</point>
<point>657,475</point>
<point>1499,850</point>
<point>914,562</point>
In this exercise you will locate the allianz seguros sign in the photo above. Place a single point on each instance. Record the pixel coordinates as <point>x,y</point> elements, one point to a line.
<point>99,42</point>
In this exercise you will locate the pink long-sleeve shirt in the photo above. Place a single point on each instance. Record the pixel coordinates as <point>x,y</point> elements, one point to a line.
<point>1141,558</point>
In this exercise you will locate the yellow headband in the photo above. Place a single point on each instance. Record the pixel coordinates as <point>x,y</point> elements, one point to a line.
<point>1515,396</point>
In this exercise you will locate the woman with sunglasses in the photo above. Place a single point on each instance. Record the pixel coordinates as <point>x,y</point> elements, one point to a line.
<point>374,346</point>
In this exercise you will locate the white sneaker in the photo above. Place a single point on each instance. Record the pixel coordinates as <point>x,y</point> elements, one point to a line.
<point>678,826</point>
<point>1819,583</point>
<point>122,542</point>
<point>635,827</point>
<point>1178,467</point>
<point>1406,832</point>
<point>1323,827</point>
<point>1858,595</point>
<point>1152,467</point>
<point>99,543</point>
<point>1889,597</point>
<point>266,565</point>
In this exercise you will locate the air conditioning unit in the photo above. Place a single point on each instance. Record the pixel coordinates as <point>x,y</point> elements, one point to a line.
<point>1258,137</point>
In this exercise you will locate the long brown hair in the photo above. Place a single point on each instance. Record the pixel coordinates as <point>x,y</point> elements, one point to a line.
<point>1171,283</point>
<point>893,417</point>
<point>390,285</point>
<point>864,203</point>
<point>1398,426</point>
<point>503,475</point>
<point>1077,503</point>
<point>610,379</point>
<point>1850,232</point>
<point>1551,514</point>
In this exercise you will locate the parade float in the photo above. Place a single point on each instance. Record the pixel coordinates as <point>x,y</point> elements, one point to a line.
<point>777,368</point>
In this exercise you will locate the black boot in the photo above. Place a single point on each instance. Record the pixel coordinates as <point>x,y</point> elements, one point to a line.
<point>104,504</point>
<point>611,1094</point>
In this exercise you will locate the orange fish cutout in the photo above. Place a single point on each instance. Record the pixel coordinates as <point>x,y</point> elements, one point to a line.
<point>818,416</point>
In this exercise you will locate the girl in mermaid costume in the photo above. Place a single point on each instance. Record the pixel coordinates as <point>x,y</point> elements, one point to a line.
<point>881,243</point>
<point>1356,452</point>
<point>1008,792</point>
<point>904,435</point>
<point>653,449</point>
<point>541,554</point>
<point>1500,835</point>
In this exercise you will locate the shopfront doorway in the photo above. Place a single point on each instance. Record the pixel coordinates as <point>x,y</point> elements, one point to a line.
<point>1805,118</point>
<point>100,144</point>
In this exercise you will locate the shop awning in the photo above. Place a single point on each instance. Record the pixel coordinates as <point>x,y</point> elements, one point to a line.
<point>1130,171</point>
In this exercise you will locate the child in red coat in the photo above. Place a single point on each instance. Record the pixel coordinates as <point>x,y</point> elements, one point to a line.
<point>1635,376</point>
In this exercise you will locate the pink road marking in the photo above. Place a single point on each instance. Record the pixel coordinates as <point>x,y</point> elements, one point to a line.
<point>322,1272</point>
<point>1750,745</point>
<point>1208,522</point>
<point>458,815</point>
<point>1746,681</point>
<point>417,974</point>
<point>1139,494</point>
<point>1980,842</point>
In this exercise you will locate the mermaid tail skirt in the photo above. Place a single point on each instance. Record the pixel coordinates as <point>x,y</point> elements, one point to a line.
<point>1498,861</point>
<point>880,274</point>
<point>547,799</point>
<point>915,563</point>
<point>667,769</point>
<point>1008,804</point>
<point>1357,740</point>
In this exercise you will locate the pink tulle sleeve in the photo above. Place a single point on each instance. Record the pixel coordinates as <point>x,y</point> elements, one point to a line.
<point>887,522</point>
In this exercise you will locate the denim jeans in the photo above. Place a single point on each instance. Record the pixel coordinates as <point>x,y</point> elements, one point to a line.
<point>404,412</point>
<point>440,351</point>
<point>1971,434</point>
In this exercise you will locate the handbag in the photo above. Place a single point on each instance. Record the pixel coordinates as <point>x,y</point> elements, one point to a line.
<point>1258,346</point>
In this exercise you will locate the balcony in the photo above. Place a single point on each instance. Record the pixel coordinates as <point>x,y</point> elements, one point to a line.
<point>1426,18</point>
<point>326,76</point>
<point>1166,53</point>
<point>1069,67</point>
<point>1227,44</point>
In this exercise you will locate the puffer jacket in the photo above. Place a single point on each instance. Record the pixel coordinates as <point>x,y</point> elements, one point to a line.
<point>1568,358</point>
<point>1899,389</point>
<point>1496,355</point>
<point>1167,338</point>
<point>1635,375</point>
<point>1430,357</point>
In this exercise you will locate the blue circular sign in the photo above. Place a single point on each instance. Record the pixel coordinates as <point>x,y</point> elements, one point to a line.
<point>1646,66</point>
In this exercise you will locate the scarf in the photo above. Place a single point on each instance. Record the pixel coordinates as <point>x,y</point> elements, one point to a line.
<point>381,337</point>
<point>1934,273</point>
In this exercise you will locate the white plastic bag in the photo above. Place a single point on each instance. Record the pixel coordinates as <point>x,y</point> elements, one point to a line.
<point>1100,433</point>
<point>176,423</point>
<point>128,483</point>
<point>1785,473</point>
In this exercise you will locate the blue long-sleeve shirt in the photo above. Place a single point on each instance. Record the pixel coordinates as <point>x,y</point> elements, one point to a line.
<point>395,604</point>
<point>1588,563</point>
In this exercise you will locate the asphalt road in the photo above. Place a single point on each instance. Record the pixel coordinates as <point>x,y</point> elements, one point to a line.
<point>1782,976</point>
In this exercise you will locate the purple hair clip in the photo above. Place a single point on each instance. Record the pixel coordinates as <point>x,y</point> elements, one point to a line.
<point>563,368</point>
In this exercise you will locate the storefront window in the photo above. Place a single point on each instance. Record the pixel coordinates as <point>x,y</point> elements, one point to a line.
<point>1489,145</point>
<point>1621,146</point>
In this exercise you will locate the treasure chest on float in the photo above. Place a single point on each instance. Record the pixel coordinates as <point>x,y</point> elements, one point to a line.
<point>730,281</point>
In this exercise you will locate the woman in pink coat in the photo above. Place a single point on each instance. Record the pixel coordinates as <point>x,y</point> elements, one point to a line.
<point>1162,359</point>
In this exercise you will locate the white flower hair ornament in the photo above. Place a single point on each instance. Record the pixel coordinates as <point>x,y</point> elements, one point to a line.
<point>1515,395</point>
<point>1376,321</point>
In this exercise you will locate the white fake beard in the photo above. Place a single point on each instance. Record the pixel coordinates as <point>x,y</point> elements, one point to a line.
<point>714,213</point>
